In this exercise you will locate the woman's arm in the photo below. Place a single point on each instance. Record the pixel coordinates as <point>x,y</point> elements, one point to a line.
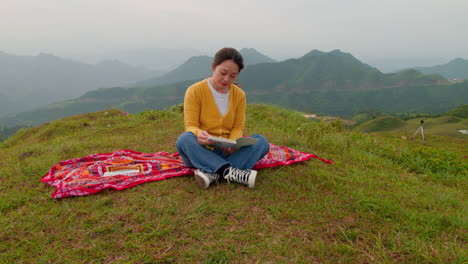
<point>239,120</point>
<point>192,109</point>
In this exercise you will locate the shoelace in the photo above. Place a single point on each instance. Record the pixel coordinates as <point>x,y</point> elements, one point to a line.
<point>214,177</point>
<point>241,175</point>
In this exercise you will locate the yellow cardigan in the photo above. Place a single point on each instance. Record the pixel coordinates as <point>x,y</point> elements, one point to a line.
<point>201,112</point>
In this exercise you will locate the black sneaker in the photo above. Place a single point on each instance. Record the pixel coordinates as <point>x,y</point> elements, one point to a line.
<point>204,179</point>
<point>246,177</point>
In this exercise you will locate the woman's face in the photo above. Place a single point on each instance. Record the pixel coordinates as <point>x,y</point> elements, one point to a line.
<point>224,75</point>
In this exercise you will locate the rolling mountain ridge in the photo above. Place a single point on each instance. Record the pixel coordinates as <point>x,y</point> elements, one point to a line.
<point>335,70</point>
<point>455,69</point>
<point>43,79</point>
<point>198,67</point>
<point>321,82</point>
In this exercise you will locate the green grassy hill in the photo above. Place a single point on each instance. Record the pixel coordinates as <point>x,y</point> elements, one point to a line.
<point>383,123</point>
<point>461,111</point>
<point>447,126</point>
<point>382,201</point>
<point>439,131</point>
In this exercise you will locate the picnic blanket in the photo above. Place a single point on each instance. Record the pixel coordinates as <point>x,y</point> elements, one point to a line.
<point>126,168</point>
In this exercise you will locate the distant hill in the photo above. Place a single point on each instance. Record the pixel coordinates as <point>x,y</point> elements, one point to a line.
<point>382,123</point>
<point>43,79</point>
<point>158,59</point>
<point>194,68</point>
<point>457,68</point>
<point>395,64</point>
<point>199,67</point>
<point>333,70</point>
<point>252,56</point>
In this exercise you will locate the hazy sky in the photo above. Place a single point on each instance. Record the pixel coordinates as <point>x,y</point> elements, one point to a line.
<point>277,28</point>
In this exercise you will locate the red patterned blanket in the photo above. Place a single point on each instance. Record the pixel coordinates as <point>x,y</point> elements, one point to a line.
<point>125,168</point>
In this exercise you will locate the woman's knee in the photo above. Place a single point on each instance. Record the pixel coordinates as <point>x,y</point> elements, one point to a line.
<point>262,141</point>
<point>184,138</point>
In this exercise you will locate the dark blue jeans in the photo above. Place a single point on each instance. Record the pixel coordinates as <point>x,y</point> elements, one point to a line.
<point>198,156</point>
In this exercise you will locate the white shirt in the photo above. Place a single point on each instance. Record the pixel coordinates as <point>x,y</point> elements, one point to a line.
<point>221,99</point>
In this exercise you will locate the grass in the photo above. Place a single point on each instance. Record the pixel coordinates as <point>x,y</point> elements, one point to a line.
<point>383,123</point>
<point>445,126</point>
<point>375,204</point>
<point>440,133</point>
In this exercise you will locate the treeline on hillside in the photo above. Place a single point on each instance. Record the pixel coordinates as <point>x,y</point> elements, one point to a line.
<point>420,99</point>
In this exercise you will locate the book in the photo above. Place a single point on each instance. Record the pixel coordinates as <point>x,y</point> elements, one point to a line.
<point>220,142</point>
<point>119,172</point>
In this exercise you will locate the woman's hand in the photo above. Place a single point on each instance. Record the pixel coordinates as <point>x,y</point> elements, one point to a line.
<point>229,151</point>
<point>202,138</point>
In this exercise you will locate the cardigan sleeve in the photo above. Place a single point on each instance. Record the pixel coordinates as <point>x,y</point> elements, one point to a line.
<point>239,119</point>
<point>192,108</point>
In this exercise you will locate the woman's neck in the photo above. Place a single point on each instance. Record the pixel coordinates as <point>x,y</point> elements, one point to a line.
<point>219,90</point>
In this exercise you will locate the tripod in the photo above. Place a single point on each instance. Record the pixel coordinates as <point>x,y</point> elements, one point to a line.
<point>420,129</point>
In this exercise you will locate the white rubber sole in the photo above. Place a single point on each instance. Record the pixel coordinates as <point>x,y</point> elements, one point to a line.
<point>202,181</point>
<point>252,177</point>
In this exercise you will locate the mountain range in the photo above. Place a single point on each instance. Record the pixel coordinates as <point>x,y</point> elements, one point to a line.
<point>28,82</point>
<point>321,82</point>
<point>199,67</point>
<point>335,70</point>
<point>39,80</point>
<point>316,70</point>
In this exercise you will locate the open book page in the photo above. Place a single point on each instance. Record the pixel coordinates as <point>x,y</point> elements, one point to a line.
<point>220,142</point>
<point>245,141</point>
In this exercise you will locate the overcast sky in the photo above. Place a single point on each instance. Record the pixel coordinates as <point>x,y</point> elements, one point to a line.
<point>277,28</point>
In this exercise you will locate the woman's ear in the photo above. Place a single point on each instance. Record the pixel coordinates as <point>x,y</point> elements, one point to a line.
<point>213,67</point>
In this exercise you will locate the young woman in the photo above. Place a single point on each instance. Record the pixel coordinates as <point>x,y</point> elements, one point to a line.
<point>216,106</point>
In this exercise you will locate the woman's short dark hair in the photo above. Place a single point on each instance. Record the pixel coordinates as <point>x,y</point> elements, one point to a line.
<point>228,54</point>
